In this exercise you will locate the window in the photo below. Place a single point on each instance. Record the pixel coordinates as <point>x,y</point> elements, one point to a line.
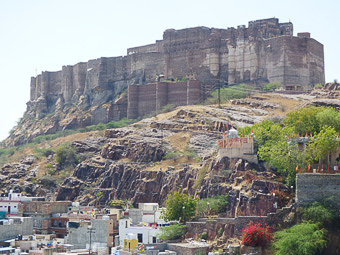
<point>140,237</point>
<point>154,240</point>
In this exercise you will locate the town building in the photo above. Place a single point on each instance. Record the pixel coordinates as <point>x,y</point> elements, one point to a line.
<point>97,232</point>
<point>14,226</point>
<point>141,224</point>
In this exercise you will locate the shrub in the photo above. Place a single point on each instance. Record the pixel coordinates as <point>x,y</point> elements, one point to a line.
<point>318,86</point>
<point>212,205</point>
<point>302,239</point>
<point>200,176</point>
<point>173,155</point>
<point>233,92</point>
<point>318,213</point>
<point>66,156</point>
<point>168,108</point>
<point>220,232</point>
<point>204,236</point>
<point>48,181</point>
<point>256,234</point>
<point>172,232</point>
<point>272,86</point>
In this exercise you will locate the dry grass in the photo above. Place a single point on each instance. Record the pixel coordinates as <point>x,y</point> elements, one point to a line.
<point>286,104</point>
<point>179,141</point>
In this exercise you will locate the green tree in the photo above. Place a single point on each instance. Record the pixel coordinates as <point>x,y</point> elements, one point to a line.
<point>278,146</point>
<point>301,239</point>
<point>304,120</point>
<point>329,117</point>
<point>179,206</point>
<point>325,143</point>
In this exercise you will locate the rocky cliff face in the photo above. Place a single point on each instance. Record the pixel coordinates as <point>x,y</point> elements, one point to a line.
<point>149,159</point>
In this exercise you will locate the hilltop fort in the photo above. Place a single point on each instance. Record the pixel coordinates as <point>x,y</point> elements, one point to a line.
<point>265,51</point>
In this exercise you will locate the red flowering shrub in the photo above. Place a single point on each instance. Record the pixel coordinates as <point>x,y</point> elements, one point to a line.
<point>256,234</point>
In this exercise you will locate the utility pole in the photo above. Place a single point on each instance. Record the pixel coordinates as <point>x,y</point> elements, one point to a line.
<point>219,85</point>
<point>219,96</point>
<point>90,230</point>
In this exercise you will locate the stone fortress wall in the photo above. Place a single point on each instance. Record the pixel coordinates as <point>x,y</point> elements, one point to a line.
<point>265,51</point>
<point>317,187</point>
<point>153,97</point>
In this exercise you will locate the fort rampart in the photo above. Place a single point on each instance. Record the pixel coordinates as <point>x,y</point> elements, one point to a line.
<point>317,187</point>
<point>265,51</point>
<point>151,98</point>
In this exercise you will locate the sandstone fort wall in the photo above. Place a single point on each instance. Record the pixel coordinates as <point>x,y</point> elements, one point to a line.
<point>150,98</point>
<point>317,187</point>
<point>265,51</point>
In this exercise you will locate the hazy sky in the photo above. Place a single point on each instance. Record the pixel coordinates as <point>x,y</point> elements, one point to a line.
<point>44,35</point>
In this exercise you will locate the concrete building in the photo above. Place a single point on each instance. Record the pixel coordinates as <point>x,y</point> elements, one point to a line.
<point>142,224</point>
<point>103,231</point>
<point>42,211</point>
<point>143,233</point>
<point>149,213</point>
<point>14,226</point>
<point>10,207</point>
<point>9,202</point>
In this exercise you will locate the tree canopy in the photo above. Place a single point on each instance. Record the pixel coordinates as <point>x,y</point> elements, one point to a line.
<point>179,206</point>
<point>278,144</point>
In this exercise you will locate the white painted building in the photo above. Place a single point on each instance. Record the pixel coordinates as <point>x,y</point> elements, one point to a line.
<point>144,234</point>
<point>143,224</point>
<point>9,206</point>
<point>9,202</point>
<point>149,213</point>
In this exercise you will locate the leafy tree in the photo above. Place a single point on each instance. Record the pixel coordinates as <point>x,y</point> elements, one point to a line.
<point>172,232</point>
<point>325,143</point>
<point>304,120</point>
<point>179,206</point>
<point>329,117</point>
<point>301,239</point>
<point>278,144</point>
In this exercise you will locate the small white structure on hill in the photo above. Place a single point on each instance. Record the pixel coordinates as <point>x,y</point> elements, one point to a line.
<point>233,146</point>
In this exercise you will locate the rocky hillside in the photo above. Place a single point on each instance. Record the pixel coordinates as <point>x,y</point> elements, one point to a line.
<point>146,160</point>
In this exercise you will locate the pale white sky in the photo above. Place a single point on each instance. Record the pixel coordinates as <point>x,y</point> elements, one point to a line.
<point>40,35</point>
